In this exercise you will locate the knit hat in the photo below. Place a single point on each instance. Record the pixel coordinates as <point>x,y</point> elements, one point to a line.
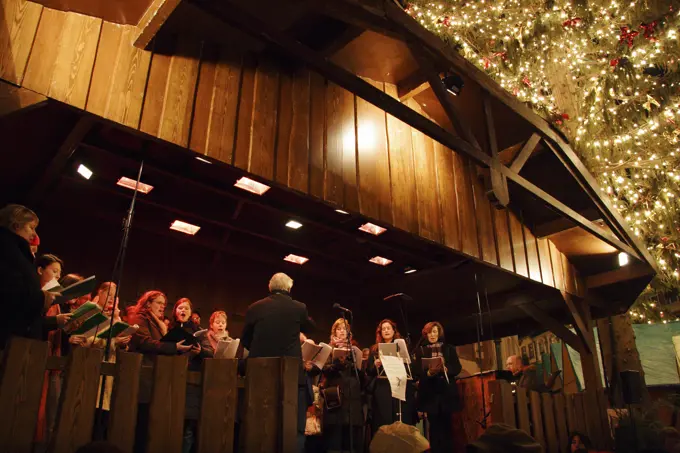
<point>500,438</point>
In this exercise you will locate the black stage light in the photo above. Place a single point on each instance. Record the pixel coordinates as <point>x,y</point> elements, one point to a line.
<point>453,83</point>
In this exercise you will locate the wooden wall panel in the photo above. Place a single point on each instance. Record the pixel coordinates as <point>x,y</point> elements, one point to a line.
<point>402,173</point>
<point>119,77</point>
<point>298,159</point>
<point>284,124</point>
<point>20,24</point>
<point>569,275</point>
<point>213,128</point>
<point>556,259</point>
<point>448,201</point>
<point>532,255</point>
<point>546,262</point>
<point>62,59</point>
<point>317,134</point>
<point>341,155</point>
<point>375,199</point>
<point>485,225</point>
<point>263,140</point>
<point>244,118</point>
<point>518,247</point>
<point>466,207</point>
<point>505,258</point>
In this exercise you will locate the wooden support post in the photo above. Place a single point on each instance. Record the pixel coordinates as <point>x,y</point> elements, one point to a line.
<point>523,420</point>
<point>537,417</point>
<point>124,401</point>
<point>553,325</point>
<point>552,444</point>
<point>495,182</point>
<point>526,152</point>
<point>561,416</point>
<point>218,406</point>
<point>155,16</point>
<point>168,398</point>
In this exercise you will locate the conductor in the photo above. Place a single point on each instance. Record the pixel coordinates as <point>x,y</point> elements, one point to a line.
<point>272,329</point>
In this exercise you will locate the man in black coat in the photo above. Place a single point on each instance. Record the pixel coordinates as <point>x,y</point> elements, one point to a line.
<point>272,329</point>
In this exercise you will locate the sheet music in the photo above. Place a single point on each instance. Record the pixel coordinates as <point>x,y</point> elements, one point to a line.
<point>402,350</point>
<point>316,353</point>
<point>396,375</point>
<point>344,352</point>
<point>226,349</point>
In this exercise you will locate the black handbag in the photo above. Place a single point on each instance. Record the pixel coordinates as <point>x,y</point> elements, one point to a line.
<point>332,397</point>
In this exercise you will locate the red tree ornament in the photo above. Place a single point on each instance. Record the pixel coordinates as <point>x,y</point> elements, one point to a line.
<point>526,81</point>
<point>571,23</point>
<point>648,31</point>
<point>627,36</point>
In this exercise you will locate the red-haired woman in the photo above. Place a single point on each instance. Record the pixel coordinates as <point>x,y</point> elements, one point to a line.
<point>384,408</point>
<point>437,390</point>
<point>217,330</point>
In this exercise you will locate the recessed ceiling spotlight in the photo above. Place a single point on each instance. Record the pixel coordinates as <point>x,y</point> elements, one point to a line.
<point>372,229</point>
<point>292,224</point>
<point>184,227</point>
<point>132,184</point>
<point>251,186</point>
<point>379,260</point>
<point>410,270</point>
<point>623,259</point>
<point>340,211</point>
<point>296,259</point>
<point>84,171</point>
<point>205,161</point>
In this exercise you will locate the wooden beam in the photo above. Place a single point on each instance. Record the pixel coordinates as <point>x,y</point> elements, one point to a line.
<point>563,224</point>
<point>629,272</point>
<point>411,86</point>
<point>250,24</point>
<point>153,19</point>
<point>60,159</point>
<point>581,314</point>
<point>524,155</point>
<point>553,325</point>
<point>350,34</point>
<point>15,99</point>
<point>496,183</point>
<point>566,211</point>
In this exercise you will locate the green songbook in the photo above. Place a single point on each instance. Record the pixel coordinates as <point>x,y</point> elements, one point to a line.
<point>91,324</point>
<point>75,290</point>
<point>119,329</point>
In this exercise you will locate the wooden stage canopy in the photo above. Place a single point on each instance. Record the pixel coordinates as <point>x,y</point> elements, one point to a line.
<point>336,104</point>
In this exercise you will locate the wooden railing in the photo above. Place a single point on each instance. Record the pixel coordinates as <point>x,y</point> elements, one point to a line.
<point>269,415</point>
<point>549,418</point>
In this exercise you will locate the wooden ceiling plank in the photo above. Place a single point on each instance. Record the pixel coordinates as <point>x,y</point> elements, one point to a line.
<point>526,152</point>
<point>553,325</point>
<point>624,273</point>
<point>350,34</point>
<point>563,224</point>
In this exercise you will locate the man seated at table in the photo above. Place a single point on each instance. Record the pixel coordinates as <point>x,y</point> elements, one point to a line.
<point>524,374</point>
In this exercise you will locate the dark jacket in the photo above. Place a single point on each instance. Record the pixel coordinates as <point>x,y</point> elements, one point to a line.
<point>350,383</point>
<point>435,395</point>
<point>528,379</point>
<point>195,362</point>
<point>147,339</point>
<point>20,293</point>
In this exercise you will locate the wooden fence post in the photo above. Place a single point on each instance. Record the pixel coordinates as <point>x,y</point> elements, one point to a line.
<point>124,402</point>
<point>502,403</point>
<point>75,414</point>
<point>168,398</point>
<point>524,423</point>
<point>561,422</point>
<point>579,414</point>
<point>549,423</point>
<point>537,417</point>
<point>21,382</point>
<point>218,406</point>
<point>571,412</point>
<point>290,368</point>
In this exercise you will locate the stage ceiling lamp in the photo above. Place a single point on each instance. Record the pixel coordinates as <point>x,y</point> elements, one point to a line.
<point>410,270</point>
<point>184,227</point>
<point>84,171</point>
<point>380,261</point>
<point>251,186</point>
<point>205,161</point>
<point>340,211</point>
<point>296,259</point>
<point>131,184</point>
<point>294,225</point>
<point>623,259</point>
<point>453,83</point>
<point>372,229</point>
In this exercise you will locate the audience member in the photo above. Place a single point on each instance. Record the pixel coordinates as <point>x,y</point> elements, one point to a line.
<point>500,438</point>
<point>196,318</point>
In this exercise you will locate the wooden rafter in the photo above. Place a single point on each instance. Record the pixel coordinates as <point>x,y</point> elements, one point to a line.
<point>563,224</point>
<point>582,320</point>
<point>153,19</point>
<point>497,183</point>
<point>526,152</point>
<point>554,326</point>
<point>412,86</point>
<point>625,273</point>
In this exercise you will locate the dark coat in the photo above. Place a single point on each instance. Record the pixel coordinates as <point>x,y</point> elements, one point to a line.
<point>384,409</point>
<point>342,374</point>
<point>528,379</point>
<point>435,395</point>
<point>196,361</point>
<point>20,293</point>
<point>147,339</point>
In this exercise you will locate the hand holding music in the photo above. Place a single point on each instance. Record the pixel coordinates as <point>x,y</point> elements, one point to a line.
<point>77,340</point>
<point>49,299</point>
<point>124,340</point>
<point>182,348</point>
<point>195,350</point>
<point>308,365</point>
<point>62,319</point>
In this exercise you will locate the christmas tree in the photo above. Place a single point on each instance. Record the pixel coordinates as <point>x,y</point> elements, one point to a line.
<point>606,74</point>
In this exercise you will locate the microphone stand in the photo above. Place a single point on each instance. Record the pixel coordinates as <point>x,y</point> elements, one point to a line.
<point>117,276</point>
<point>353,364</point>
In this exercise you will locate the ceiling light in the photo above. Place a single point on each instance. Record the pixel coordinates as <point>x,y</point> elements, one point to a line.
<point>380,261</point>
<point>84,171</point>
<point>340,211</point>
<point>132,184</point>
<point>293,224</point>
<point>184,227</point>
<point>251,186</point>
<point>410,270</point>
<point>623,259</point>
<point>372,229</point>
<point>453,83</point>
<point>203,160</point>
<point>296,259</point>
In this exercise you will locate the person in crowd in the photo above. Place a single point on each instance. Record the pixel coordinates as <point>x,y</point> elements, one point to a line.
<point>524,375</point>
<point>196,318</point>
<point>437,390</point>
<point>35,243</point>
<point>20,292</point>
<point>49,269</point>
<point>272,329</point>
<point>384,409</point>
<point>503,438</point>
<point>147,313</point>
<point>217,330</point>
<point>578,442</point>
<point>341,386</point>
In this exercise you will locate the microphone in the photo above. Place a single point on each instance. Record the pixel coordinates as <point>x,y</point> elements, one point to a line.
<point>401,295</point>
<point>341,308</point>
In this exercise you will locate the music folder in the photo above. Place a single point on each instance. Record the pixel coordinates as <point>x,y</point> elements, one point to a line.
<point>177,334</point>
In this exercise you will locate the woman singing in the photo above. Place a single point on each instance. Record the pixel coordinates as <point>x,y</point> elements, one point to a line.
<point>217,331</point>
<point>437,390</point>
<point>340,378</point>
<point>384,408</point>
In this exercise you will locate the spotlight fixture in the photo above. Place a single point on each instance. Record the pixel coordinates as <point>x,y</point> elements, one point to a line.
<point>251,186</point>
<point>205,161</point>
<point>623,259</point>
<point>132,184</point>
<point>453,83</point>
<point>296,259</point>
<point>293,225</point>
<point>372,229</point>
<point>84,171</point>
<point>340,211</point>
<point>410,270</point>
<point>379,260</point>
<point>184,227</point>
